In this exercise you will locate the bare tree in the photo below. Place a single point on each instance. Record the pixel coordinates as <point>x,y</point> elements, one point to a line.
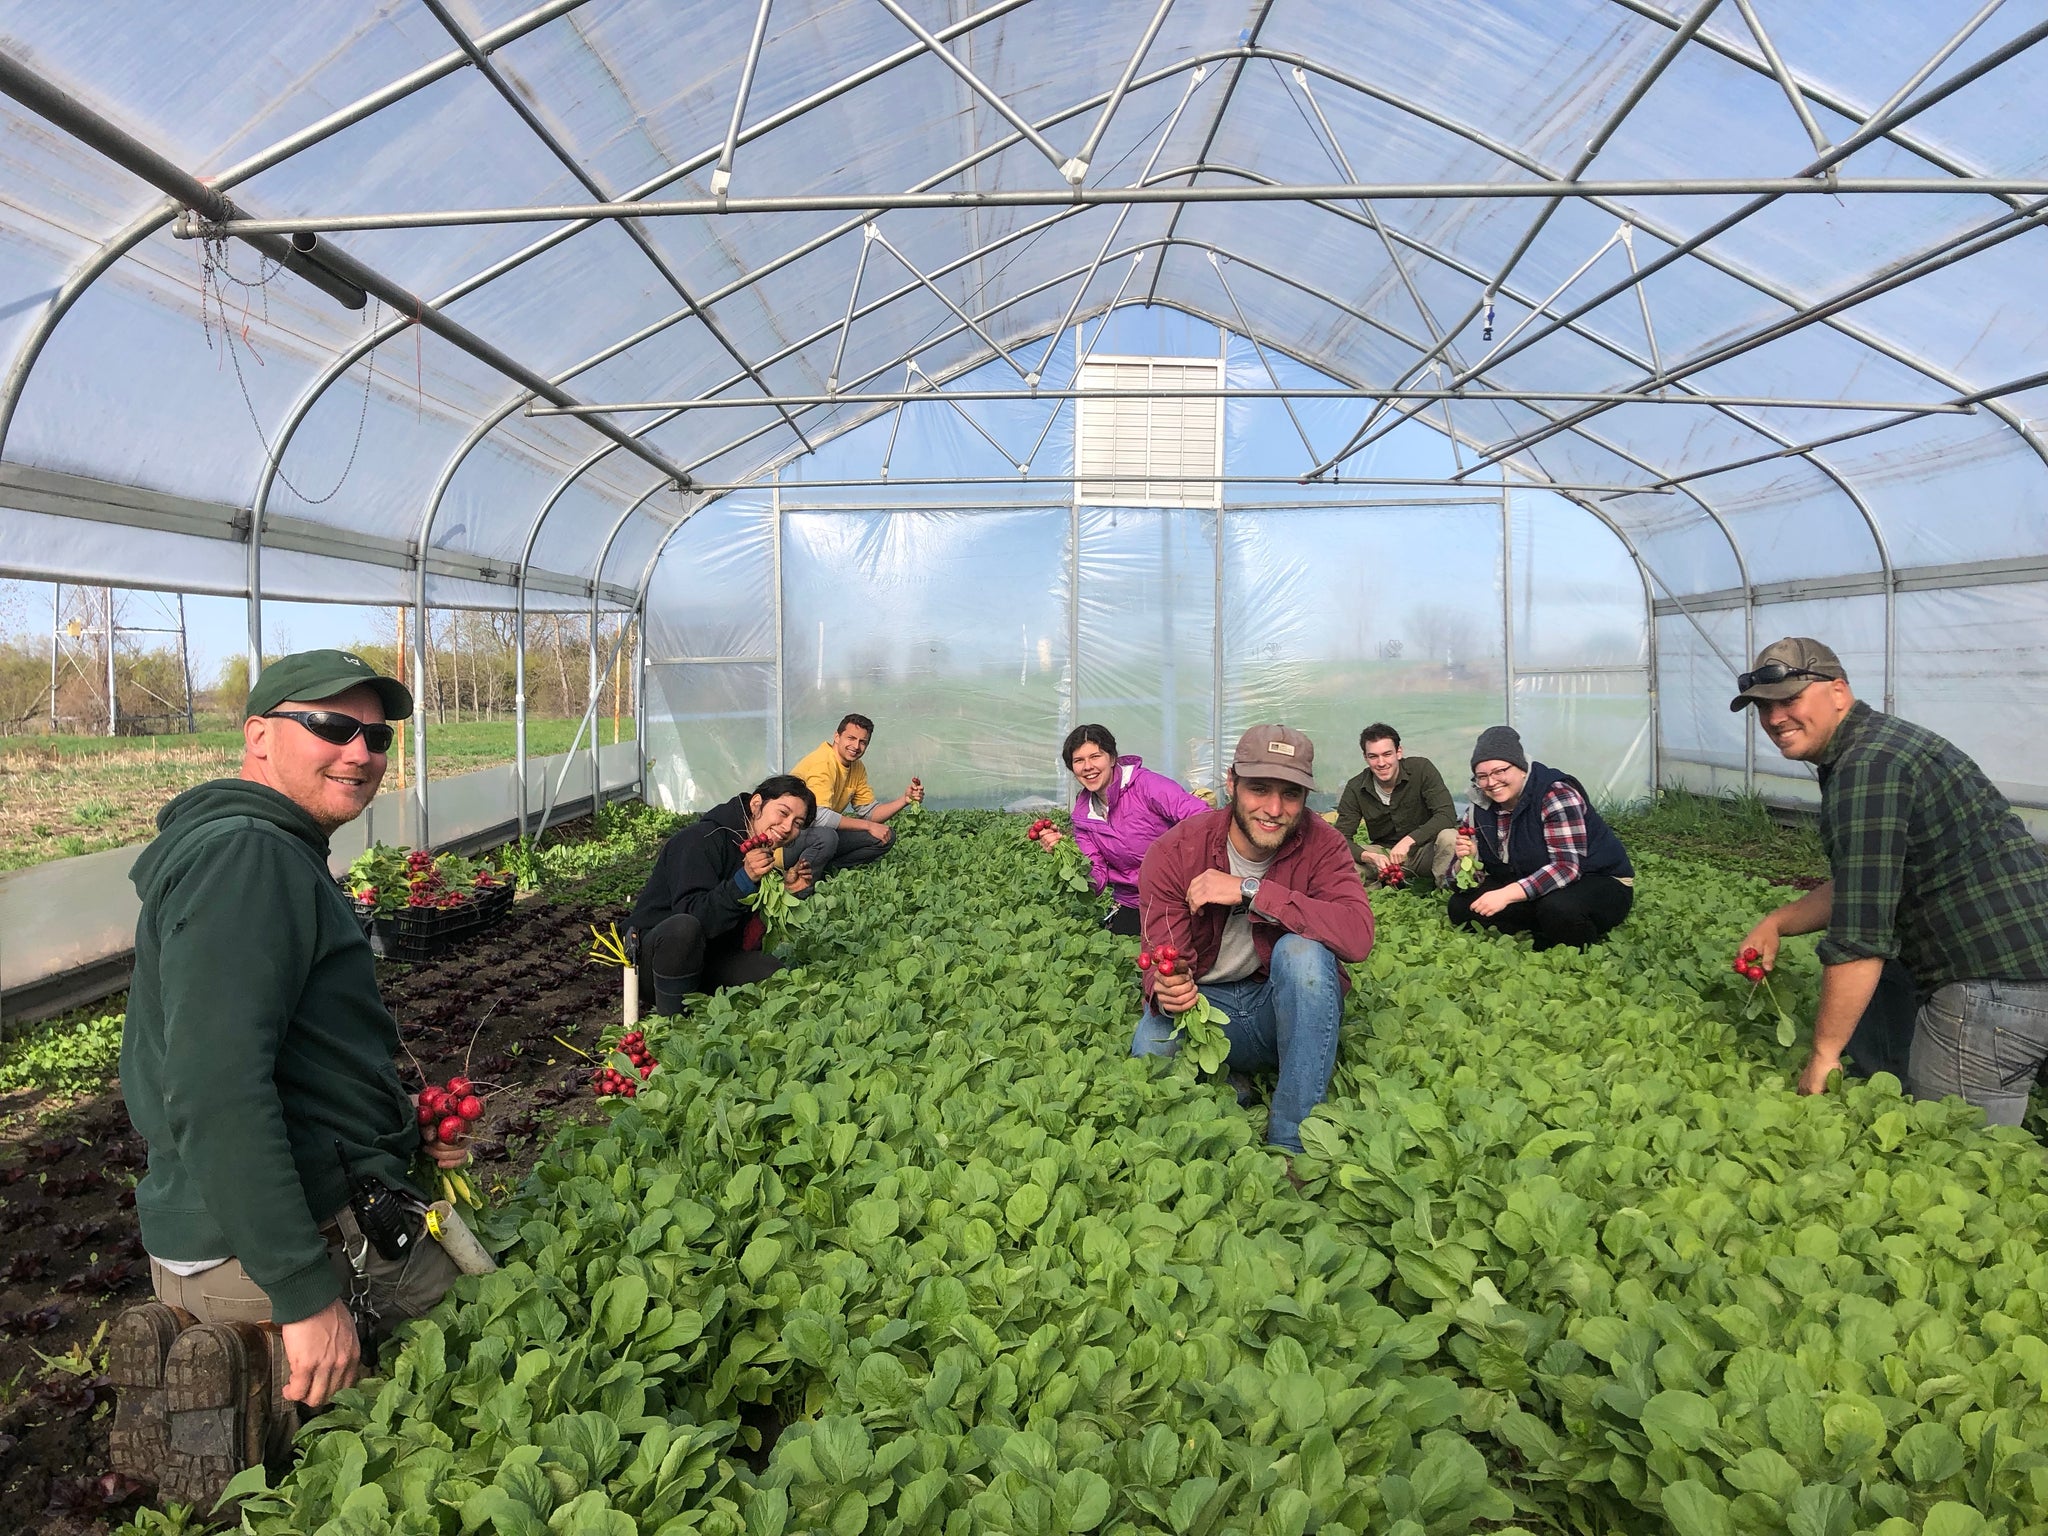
<point>1442,633</point>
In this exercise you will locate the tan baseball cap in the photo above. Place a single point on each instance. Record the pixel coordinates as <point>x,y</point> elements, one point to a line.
<point>1784,669</point>
<point>1276,752</point>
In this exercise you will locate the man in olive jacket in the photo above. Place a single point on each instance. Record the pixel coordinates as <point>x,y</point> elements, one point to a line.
<point>255,1041</point>
<point>1410,818</point>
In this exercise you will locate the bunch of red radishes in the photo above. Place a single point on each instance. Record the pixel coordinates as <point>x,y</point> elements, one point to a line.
<point>1163,959</point>
<point>447,1112</point>
<point>610,1082</point>
<point>759,840</point>
<point>1043,824</point>
<point>1393,874</point>
<point>1749,964</point>
<point>425,884</point>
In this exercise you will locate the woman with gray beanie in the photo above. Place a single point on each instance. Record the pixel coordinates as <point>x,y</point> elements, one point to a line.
<point>1550,867</point>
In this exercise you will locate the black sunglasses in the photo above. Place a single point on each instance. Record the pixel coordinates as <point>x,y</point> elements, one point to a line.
<point>1775,672</point>
<point>336,728</point>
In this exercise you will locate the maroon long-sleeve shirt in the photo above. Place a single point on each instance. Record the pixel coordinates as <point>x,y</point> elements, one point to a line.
<point>1312,889</point>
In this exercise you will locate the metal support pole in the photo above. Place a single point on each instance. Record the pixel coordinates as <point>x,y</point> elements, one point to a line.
<point>1218,735</point>
<point>1217,732</point>
<point>1652,680</point>
<point>421,641</point>
<point>596,774</point>
<point>1073,710</point>
<point>1072,170</point>
<point>640,760</point>
<point>779,726</point>
<point>1507,602</point>
<point>1077,168</point>
<point>56,627</point>
<point>721,177</point>
<point>185,667</point>
<point>1748,716</point>
<point>113,699</point>
<point>519,698</point>
<point>873,204</point>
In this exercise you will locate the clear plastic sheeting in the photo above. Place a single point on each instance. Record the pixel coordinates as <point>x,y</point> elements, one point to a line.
<point>1809,395</point>
<point>947,629</point>
<point>711,732</point>
<point>977,635</point>
<point>1145,633</point>
<point>1973,665</point>
<point>1701,741</point>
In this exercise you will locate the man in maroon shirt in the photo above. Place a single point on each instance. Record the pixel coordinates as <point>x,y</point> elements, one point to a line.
<point>1262,900</point>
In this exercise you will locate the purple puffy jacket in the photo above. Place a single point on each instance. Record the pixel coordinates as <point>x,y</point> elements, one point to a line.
<point>1141,805</point>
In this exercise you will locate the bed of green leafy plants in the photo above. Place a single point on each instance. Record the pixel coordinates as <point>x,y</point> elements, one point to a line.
<point>903,1240</point>
<point>609,862</point>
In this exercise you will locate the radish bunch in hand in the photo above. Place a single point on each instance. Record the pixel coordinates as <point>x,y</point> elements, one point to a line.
<point>447,1112</point>
<point>1202,1024</point>
<point>1163,959</point>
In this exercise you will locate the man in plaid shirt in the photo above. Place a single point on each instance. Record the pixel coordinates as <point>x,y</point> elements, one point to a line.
<point>1934,884</point>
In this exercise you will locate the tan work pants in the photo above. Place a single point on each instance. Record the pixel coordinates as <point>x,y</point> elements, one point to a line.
<point>399,1288</point>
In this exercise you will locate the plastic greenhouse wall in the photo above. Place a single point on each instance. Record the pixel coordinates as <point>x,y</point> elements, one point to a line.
<point>978,623</point>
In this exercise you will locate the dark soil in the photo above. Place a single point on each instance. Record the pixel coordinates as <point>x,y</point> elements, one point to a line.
<point>71,1256</point>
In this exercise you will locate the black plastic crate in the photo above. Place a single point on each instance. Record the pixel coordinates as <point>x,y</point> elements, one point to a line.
<point>413,934</point>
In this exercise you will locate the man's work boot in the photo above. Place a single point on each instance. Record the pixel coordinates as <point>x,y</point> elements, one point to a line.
<point>271,1374</point>
<point>137,1346</point>
<point>217,1390</point>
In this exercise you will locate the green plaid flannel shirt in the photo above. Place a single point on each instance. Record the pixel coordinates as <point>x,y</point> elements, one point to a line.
<point>1930,865</point>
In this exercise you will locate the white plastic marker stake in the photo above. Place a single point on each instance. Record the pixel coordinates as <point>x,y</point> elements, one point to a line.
<point>632,995</point>
<point>457,1241</point>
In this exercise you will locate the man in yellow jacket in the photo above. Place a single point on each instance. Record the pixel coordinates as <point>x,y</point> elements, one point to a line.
<point>850,829</point>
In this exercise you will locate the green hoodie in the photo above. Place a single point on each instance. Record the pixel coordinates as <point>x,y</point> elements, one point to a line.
<point>255,1038</point>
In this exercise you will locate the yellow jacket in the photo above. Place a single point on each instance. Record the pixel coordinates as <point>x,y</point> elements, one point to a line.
<point>835,784</point>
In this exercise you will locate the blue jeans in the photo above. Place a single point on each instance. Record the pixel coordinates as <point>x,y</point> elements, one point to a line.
<point>1984,1041</point>
<point>1288,1022</point>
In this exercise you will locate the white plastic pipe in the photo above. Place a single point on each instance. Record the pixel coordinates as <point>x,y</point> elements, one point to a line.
<point>460,1244</point>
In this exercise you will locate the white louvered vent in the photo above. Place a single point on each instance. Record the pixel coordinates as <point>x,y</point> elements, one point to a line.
<point>1162,452</point>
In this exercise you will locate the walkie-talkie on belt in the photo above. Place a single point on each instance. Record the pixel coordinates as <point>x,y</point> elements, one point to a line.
<point>386,1216</point>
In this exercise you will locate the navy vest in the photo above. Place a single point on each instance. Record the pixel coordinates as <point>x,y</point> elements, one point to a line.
<point>1527,852</point>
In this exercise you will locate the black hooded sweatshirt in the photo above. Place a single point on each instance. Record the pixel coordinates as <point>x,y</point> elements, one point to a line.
<point>694,874</point>
<point>255,1039</point>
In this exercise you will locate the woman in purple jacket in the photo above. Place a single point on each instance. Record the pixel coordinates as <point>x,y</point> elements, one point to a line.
<point>1122,807</point>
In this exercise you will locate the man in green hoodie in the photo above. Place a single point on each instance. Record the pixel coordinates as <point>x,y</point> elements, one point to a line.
<point>255,1044</point>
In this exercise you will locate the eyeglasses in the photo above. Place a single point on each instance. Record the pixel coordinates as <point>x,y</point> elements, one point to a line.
<point>1776,672</point>
<point>338,729</point>
<point>1499,775</point>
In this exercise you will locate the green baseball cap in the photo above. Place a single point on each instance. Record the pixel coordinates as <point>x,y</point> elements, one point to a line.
<point>316,675</point>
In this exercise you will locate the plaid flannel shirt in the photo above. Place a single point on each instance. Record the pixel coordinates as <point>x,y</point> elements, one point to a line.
<point>1564,835</point>
<point>1930,865</point>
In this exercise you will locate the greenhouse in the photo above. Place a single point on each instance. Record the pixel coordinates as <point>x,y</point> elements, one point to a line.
<point>995,367</point>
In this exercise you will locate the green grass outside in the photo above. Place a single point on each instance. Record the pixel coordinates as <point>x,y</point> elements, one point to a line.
<point>61,796</point>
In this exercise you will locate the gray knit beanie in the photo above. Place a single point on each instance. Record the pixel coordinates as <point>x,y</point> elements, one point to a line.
<point>1500,744</point>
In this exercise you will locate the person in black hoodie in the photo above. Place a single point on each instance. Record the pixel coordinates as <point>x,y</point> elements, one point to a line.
<point>690,922</point>
<point>256,1061</point>
<point>1551,867</point>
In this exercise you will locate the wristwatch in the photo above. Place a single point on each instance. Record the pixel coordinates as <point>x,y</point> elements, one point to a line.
<point>1247,891</point>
